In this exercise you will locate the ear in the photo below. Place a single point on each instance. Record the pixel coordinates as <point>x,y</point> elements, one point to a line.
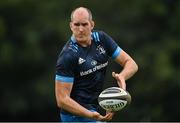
<point>92,24</point>
<point>70,25</point>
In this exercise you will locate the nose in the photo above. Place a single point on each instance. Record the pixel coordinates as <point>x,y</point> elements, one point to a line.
<point>81,28</point>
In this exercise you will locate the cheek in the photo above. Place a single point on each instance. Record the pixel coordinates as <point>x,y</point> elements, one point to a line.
<point>89,28</point>
<point>74,30</point>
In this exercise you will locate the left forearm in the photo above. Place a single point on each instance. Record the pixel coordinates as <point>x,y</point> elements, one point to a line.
<point>129,69</point>
<point>129,65</point>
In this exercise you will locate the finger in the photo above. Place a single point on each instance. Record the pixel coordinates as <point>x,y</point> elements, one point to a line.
<point>102,118</point>
<point>115,75</point>
<point>110,116</point>
<point>121,82</point>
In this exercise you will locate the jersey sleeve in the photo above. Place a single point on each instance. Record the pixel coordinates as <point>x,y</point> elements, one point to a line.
<point>111,46</point>
<point>65,68</point>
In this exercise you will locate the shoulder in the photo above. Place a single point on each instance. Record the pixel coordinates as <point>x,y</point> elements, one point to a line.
<point>71,47</point>
<point>96,34</point>
<point>99,35</point>
<point>66,59</point>
<point>69,52</point>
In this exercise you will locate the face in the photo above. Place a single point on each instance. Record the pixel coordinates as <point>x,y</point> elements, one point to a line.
<point>81,26</point>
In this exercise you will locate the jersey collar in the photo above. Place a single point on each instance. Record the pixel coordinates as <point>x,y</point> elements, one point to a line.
<point>73,39</point>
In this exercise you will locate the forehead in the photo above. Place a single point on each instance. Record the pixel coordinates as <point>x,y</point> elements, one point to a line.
<point>80,15</point>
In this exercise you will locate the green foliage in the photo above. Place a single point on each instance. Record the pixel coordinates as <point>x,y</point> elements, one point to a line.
<point>32,34</point>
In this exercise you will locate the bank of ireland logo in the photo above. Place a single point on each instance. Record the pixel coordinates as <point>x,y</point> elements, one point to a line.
<point>93,62</point>
<point>81,60</point>
<point>100,49</point>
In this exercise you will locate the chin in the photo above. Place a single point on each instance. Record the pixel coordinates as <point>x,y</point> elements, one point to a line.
<point>81,40</point>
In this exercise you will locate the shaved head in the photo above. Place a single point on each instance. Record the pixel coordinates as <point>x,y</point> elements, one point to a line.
<point>81,11</point>
<point>81,25</point>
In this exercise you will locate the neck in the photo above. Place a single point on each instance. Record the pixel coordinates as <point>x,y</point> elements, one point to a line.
<point>85,43</point>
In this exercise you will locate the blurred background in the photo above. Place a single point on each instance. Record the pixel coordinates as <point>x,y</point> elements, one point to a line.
<point>32,33</point>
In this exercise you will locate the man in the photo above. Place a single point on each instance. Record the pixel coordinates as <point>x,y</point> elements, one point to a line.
<point>81,67</point>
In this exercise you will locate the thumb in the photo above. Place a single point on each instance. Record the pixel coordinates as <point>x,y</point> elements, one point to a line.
<point>115,75</point>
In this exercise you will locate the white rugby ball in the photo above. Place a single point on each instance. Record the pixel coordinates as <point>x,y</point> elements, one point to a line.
<point>114,99</point>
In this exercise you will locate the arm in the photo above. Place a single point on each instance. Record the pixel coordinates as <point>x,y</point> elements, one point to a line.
<point>129,68</point>
<point>64,101</point>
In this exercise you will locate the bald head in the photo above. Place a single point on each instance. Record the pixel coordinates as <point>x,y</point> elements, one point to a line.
<point>81,11</point>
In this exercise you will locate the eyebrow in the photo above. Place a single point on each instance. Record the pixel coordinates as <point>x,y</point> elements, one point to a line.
<point>83,24</point>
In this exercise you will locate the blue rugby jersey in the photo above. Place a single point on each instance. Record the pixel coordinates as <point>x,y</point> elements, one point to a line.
<point>85,67</point>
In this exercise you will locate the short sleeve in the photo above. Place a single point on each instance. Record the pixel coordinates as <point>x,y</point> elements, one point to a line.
<point>112,47</point>
<point>65,68</point>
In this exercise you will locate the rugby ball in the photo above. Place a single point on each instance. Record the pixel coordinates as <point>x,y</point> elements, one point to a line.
<point>114,99</point>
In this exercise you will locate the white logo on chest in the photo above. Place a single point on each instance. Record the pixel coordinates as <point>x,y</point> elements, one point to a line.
<point>100,49</point>
<point>94,69</point>
<point>81,60</point>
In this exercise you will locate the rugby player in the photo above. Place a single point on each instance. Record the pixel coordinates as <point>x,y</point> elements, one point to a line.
<point>81,68</point>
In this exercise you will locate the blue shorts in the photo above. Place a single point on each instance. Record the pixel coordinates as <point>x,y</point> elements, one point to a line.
<point>74,118</point>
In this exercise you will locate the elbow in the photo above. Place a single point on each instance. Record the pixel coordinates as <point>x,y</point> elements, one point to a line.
<point>60,102</point>
<point>135,68</point>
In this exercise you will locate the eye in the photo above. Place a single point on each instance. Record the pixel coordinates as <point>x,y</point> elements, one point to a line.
<point>84,24</point>
<point>76,24</point>
<point>80,24</point>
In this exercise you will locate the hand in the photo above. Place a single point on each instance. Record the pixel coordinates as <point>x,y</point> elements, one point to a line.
<point>99,117</point>
<point>120,79</point>
<point>109,115</point>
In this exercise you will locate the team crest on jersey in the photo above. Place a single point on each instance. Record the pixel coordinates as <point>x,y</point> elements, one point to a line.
<point>93,62</point>
<point>81,60</point>
<point>100,49</point>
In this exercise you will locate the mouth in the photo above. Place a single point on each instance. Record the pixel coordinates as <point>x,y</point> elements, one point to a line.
<point>80,35</point>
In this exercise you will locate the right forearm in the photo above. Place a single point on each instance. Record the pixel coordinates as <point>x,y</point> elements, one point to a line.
<point>73,107</point>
